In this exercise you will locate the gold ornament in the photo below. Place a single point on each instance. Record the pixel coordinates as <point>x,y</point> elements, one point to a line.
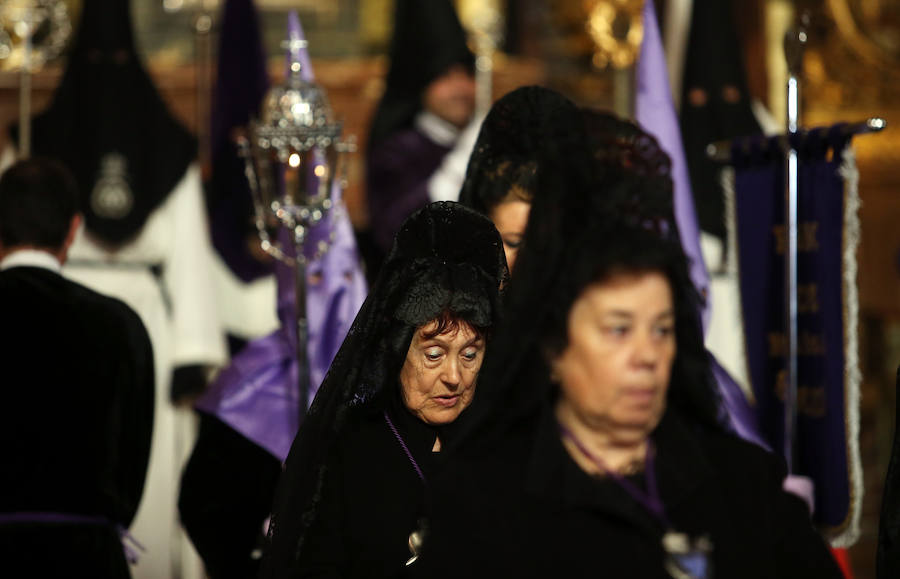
<point>44,24</point>
<point>617,28</point>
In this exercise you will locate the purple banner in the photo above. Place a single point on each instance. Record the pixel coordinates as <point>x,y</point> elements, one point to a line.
<point>823,445</point>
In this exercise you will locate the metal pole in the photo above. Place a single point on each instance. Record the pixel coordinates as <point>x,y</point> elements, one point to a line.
<point>793,46</point>
<point>624,89</point>
<point>484,78</point>
<point>25,89</point>
<point>485,24</point>
<point>302,321</point>
<point>203,23</point>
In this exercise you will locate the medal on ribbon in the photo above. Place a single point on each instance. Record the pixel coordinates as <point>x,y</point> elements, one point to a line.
<point>687,559</point>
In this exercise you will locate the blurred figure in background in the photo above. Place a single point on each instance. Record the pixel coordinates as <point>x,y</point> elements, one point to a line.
<point>423,129</point>
<point>145,241</point>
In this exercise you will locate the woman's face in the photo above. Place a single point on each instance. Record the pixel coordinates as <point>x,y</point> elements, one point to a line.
<point>438,377</point>
<point>615,371</point>
<point>510,219</point>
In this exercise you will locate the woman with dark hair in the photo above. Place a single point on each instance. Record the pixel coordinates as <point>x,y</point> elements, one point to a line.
<point>355,485</point>
<point>501,177</point>
<point>502,172</point>
<point>597,445</point>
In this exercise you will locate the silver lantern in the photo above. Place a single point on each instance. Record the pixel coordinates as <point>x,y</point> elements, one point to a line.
<point>292,156</point>
<point>32,32</point>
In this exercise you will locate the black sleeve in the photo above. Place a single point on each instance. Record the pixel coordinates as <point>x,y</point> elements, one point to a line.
<point>226,493</point>
<point>133,415</point>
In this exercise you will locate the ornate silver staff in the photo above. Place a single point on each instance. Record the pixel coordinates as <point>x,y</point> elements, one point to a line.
<point>32,32</point>
<point>292,154</point>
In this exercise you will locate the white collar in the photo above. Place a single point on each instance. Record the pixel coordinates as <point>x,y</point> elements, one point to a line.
<point>437,129</point>
<point>31,258</point>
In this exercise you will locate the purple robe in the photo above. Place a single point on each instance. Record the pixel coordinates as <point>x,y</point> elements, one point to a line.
<point>398,171</point>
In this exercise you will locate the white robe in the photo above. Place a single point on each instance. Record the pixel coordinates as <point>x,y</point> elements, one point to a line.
<point>248,310</point>
<point>181,315</point>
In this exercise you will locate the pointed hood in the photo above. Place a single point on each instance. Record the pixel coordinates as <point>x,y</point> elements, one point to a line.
<point>297,50</point>
<point>715,104</point>
<point>108,124</point>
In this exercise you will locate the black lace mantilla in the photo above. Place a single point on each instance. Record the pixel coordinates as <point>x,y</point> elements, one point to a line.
<point>529,126</point>
<point>505,157</point>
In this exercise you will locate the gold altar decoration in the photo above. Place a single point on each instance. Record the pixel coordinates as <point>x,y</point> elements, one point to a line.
<point>871,28</point>
<point>617,28</point>
<point>45,22</point>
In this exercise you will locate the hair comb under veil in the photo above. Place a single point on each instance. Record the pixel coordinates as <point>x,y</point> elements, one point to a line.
<point>446,257</point>
<point>597,175</point>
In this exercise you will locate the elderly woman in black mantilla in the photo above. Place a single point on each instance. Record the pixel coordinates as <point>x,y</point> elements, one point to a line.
<point>355,485</point>
<point>596,446</point>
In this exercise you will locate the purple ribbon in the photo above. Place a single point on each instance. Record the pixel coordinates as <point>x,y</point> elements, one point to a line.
<point>403,444</point>
<point>72,519</point>
<point>649,500</point>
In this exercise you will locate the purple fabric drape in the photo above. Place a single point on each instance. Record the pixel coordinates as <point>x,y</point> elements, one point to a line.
<point>257,393</point>
<point>655,111</point>
<point>821,449</point>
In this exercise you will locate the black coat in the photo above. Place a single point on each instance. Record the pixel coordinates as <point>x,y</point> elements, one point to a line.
<point>226,494</point>
<point>525,509</point>
<point>75,423</point>
<point>372,500</point>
